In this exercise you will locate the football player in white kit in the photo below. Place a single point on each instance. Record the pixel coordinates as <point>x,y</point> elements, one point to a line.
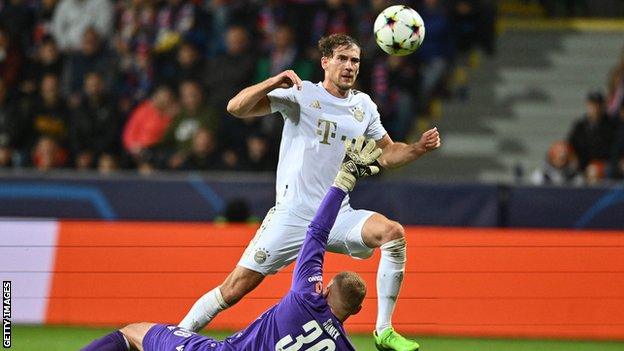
<point>318,118</point>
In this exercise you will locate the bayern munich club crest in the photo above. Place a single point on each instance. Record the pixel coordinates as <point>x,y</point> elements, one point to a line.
<point>261,256</point>
<point>358,113</point>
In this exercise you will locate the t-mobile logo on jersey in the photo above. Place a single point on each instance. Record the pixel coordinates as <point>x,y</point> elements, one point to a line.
<point>327,129</point>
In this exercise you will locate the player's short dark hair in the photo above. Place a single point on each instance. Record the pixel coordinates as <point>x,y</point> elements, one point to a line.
<point>328,44</point>
<point>352,290</point>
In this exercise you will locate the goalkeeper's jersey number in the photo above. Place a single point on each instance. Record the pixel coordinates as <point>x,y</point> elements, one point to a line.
<point>313,332</point>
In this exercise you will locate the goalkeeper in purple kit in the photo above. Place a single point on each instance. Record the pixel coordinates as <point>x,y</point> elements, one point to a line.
<point>309,317</point>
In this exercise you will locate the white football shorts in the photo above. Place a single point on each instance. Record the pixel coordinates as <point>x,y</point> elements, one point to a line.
<point>279,238</point>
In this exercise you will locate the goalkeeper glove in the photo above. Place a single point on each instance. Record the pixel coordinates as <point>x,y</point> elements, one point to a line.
<point>358,162</point>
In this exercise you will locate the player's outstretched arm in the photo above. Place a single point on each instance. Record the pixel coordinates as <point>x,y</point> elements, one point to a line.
<point>399,154</point>
<point>359,162</point>
<point>253,101</point>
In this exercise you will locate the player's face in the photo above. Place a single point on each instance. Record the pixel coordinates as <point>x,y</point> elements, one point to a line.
<point>342,68</point>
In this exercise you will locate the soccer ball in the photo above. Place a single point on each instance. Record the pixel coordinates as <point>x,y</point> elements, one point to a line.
<point>399,30</point>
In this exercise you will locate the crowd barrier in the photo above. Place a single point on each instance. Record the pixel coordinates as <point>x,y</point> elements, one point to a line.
<point>460,281</point>
<point>195,198</point>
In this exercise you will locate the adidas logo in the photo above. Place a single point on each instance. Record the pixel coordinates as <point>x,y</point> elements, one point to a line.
<point>315,104</point>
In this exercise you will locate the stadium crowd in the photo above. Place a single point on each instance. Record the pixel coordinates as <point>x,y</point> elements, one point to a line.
<point>143,84</point>
<point>594,149</point>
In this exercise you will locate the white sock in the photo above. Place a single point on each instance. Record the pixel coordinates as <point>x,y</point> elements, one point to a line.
<point>389,279</point>
<point>204,310</point>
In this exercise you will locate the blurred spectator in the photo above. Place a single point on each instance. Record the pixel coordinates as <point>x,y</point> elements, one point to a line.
<point>203,154</point>
<point>227,13</point>
<point>219,13</point>
<point>225,74</point>
<point>188,65</point>
<point>560,167</point>
<point>283,55</point>
<point>194,114</point>
<point>145,165</point>
<point>230,160</point>
<point>436,52</point>
<point>136,79</point>
<point>466,20</point>
<point>330,16</point>
<point>72,18</point>
<point>270,16</point>
<point>6,156</point>
<point>49,114</point>
<point>591,136</point>
<point>44,11</point>
<point>366,14</point>
<point>177,19</point>
<point>393,89</point>
<point>617,152</point>
<point>148,122</point>
<point>10,59</point>
<point>47,154</point>
<point>18,18</point>
<point>92,57</point>
<point>258,157</point>
<point>136,25</point>
<point>595,172</point>
<point>107,164</point>
<point>466,33</point>
<point>47,59</point>
<point>94,124</point>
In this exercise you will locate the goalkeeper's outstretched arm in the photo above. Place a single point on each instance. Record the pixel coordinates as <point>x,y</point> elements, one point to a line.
<point>357,163</point>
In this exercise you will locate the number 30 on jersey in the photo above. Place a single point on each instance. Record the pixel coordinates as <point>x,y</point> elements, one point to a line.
<point>312,333</point>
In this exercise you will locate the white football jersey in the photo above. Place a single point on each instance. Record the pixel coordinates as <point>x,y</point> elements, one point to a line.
<point>316,124</point>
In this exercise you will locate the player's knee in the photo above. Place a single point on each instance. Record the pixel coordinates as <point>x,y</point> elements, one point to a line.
<point>134,334</point>
<point>381,232</point>
<point>394,247</point>
<point>394,230</point>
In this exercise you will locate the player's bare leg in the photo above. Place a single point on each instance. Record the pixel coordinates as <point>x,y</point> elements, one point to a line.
<point>238,284</point>
<point>135,333</point>
<point>127,338</point>
<point>379,231</point>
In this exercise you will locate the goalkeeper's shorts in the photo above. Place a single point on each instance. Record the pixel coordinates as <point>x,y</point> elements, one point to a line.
<point>279,238</point>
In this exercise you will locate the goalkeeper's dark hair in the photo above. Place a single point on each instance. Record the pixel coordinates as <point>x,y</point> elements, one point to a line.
<point>352,290</point>
<point>328,44</point>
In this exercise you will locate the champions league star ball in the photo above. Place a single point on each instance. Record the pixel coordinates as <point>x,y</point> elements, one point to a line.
<point>399,30</point>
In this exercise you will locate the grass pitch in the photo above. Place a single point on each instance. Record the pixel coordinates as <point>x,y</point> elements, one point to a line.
<point>37,338</point>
